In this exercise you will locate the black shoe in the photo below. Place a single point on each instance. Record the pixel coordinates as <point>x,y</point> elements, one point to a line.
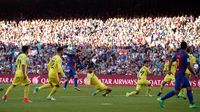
<point>159,93</point>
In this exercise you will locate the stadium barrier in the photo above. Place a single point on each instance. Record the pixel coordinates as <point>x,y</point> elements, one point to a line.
<point>113,80</point>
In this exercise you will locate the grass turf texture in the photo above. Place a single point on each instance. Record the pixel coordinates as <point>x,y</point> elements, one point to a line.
<point>80,101</point>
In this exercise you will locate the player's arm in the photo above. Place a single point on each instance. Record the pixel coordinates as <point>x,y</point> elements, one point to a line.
<point>189,67</point>
<point>24,61</point>
<point>61,69</point>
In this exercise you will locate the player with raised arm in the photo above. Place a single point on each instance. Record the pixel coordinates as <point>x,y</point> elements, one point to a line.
<point>21,77</point>
<point>142,80</point>
<point>181,81</point>
<point>70,70</point>
<point>54,67</point>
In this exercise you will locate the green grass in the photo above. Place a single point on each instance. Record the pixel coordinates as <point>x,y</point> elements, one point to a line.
<point>73,101</point>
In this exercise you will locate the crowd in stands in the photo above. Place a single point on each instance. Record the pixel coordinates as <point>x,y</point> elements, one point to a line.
<point>116,45</point>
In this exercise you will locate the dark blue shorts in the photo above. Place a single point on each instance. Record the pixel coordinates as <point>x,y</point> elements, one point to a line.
<point>71,73</point>
<point>181,82</point>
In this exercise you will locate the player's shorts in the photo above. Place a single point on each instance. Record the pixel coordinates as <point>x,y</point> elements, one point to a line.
<point>101,87</point>
<point>169,78</point>
<point>71,73</point>
<point>141,83</point>
<point>181,82</point>
<point>54,81</point>
<point>20,81</point>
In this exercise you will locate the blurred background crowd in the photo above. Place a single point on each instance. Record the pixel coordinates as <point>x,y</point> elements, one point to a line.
<point>116,45</point>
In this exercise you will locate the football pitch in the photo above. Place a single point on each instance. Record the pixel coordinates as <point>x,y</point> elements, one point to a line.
<point>80,101</point>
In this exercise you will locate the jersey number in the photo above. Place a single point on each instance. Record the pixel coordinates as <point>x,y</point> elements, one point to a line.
<point>141,72</point>
<point>18,63</point>
<point>52,64</point>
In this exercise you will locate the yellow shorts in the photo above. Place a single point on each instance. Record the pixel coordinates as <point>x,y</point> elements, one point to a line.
<point>141,83</point>
<point>20,80</point>
<point>169,78</point>
<point>54,81</point>
<point>101,87</point>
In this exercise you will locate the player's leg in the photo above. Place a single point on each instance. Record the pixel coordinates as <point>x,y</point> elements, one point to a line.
<point>138,88</point>
<point>148,84</point>
<point>16,81</point>
<point>148,90</point>
<point>55,84</point>
<point>107,91</point>
<point>165,81</point>
<point>10,88</point>
<point>183,92</point>
<point>76,82</point>
<point>26,93</point>
<point>177,88</point>
<point>26,84</point>
<point>98,90</point>
<point>45,86</point>
<point>189,93</point>
<point>67,82</point>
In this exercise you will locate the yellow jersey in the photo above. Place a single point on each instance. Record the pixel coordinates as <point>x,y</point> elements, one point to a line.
<point>144,71</point>
<point>55,66</point>
<point>92,79</point>
<point>173,67</point>
<point>192,62</point>
<point>22,59</point>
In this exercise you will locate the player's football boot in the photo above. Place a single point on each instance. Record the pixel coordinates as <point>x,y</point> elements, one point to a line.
<point>159,93</point>
<point>77,89</point>
<point>194,106</point>
<point>51,98</point>
<point>5,98</point>
<point>161,102</point>
<point>35,90</point>
<point>94,94</point>
<point>127,94</point>
<point>64,89</point>
<point>27,100</point>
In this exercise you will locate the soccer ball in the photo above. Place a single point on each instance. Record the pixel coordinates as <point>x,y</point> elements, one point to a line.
<point>196,66</point>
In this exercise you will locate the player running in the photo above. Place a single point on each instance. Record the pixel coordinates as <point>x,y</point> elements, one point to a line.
<point>54,67</point>
<point>181,81</point>
<point>70,71</point>
<point>92,79</point>
<point>21,77</point>
<point>142,80</point>
<point>182,93</point>
<point>168,77</point>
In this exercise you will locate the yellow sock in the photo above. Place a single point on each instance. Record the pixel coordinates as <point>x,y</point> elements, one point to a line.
<point>161,88</point>
<point>132,93</point>
<point>10,88</point>
<point>184,92</point>
<point>148,90</point>
<point>45,86</point>
<point>97,91</point>
<point>181,92</point>
<point>26,91</point>
<point>53,91</point>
